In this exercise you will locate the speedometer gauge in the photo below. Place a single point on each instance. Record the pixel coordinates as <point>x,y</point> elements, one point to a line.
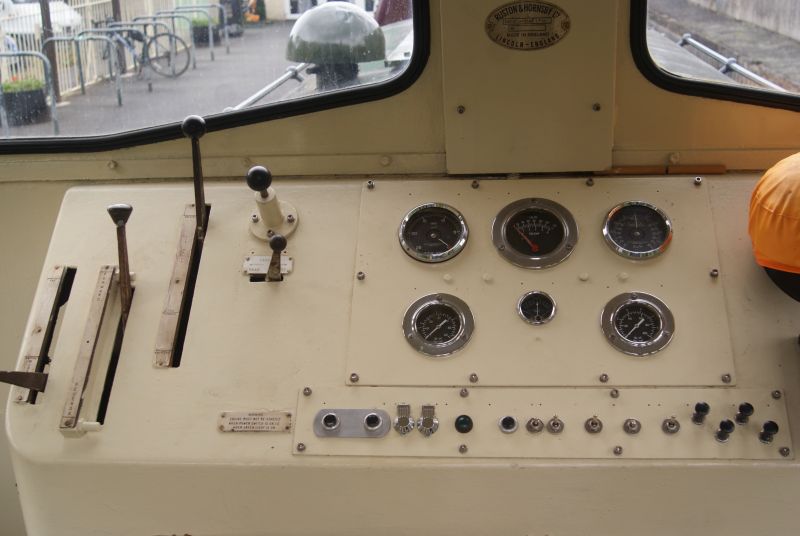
<point>433,232</point>
<point>637,230</point>
<point>637,324</point>
<point>438,324</point>
<point>535,233</point>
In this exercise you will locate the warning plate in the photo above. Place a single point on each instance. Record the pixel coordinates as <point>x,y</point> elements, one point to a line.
<point>527,25</point>
<point>255,421</point>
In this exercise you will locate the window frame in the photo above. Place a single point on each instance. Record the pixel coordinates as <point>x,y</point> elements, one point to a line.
<point>227,120</point>
<point>696,88</point>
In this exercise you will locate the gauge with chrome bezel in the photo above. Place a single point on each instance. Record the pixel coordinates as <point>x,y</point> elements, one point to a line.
<point>536,307</point>
<point>438,324</point>
<point>535,233</point>
<point>637,323</point>
<point>433,232</point>
<point>637,230</point>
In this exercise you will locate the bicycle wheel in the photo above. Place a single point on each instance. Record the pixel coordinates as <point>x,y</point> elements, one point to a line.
<point>167,54</point>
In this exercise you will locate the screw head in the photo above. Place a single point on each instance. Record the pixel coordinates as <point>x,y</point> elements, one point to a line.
<point>473,378</point>
<point>354,378</point>
<point>475,185</point>
<point>776,394</point>
<point>461,109</point>
<point>590,182</point>
<point>290,218</point>
<point>361,276</point>
<point>464,392</point>
<point>370,184</point>
<point>307,391</point>
<point>617,451</point>
<point>698,181</point>
<point>596,107</point>
<point>614,393</point>
<point>784,451</point>
<point>726,378</point>
<point>603,378</point>
<point>714,273</point>
<point>301,447</point>
<point>462,449</point>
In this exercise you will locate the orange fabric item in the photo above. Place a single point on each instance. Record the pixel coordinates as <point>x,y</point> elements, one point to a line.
<point>774,225</point>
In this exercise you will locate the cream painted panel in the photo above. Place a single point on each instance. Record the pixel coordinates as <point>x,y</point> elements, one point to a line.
<point>570,349</point>
<point>528,111</point>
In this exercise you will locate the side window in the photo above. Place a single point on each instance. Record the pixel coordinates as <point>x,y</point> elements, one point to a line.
<point>742,44</point>
<point>120,66</point>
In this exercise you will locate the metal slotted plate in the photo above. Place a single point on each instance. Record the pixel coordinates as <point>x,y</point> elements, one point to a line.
<point>486,406</point>
<point>570,350</point>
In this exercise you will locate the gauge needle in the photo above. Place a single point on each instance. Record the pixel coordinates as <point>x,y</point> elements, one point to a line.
<point>442,323</point>
<point>635,222</point>
<point>533,246</point>
<point>639,323</point>
<point>443,242</point>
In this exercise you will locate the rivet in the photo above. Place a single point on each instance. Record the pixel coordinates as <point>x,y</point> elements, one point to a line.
<point>584,276</point>
<point>603,378</point>
<point>590,182</point>
<point>776,394</point>
<point>596,107</point>
<point>714,273</point>
<point>674,158</point>
<point>301,447</point>
<point>726,378</point>
<point>361,276</point>
<point>614,393</point>
<point>112,164</point>
<point>386,160</point>
<point>448,278</point>
<point>307,391</point>
<point>475,185</point>
<point>464,392</point>
<point>290,218</point>
<point>19,398</point>
<point>784,451</point>
<point>221,428</point>
<point>462,449</point>
<point>354,378</point>
<point>617,451</point>
<point>254,218</point>
<point>370,184</point>
<point>698,181</point>
<point>473,378</point>
<point>68,423</point>
<point>461,109</point>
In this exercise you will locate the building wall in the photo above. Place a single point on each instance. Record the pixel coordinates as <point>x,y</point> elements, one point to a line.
<point>782,16</point>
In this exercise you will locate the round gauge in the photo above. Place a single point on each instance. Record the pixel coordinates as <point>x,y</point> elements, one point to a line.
<point>433,232</point>
<point>438,324</point>
<point>637,230</point>
<point>536,307</point>
<point>534,233</point>
<point>637,324</point>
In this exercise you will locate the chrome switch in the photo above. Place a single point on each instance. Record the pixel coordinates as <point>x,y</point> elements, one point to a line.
<point>428,423</point>
<point>404,423</point>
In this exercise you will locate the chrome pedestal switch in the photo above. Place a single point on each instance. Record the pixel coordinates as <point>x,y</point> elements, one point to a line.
<point>404,422</point>
<point>746,411</point>
<point>428,423</point>
<point>725,430</point>
<point>768,431</point>
<point>701,410</point>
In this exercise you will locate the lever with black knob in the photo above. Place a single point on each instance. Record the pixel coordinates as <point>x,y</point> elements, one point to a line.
<point>277,244</point>
<point>194,128</point>
<point>746,411</point>
<point>768,431</point>
<point>274,216</point>
<point>701,409</point>
<point>725,430</point>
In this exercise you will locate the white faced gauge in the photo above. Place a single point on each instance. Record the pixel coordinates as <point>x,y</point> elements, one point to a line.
<point>433,232</point>
<point>637,230</point>
<point>534,233</point>
<point>438,324</point>
<point>637,324</point>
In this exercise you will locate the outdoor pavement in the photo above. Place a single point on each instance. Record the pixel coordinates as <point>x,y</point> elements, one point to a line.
<point>769,54</point>
<point>256,59</point>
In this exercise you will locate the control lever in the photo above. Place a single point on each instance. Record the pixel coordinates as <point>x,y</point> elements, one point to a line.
<point>119,215</point>
<point>35,381</point>
<point>274,216</point>
<point>194,127</point>
<point>277,244</point>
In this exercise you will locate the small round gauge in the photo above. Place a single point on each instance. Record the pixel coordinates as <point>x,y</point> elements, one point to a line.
<point>637,230</point>
<point>534,233</point>
<point>438,324</point>
<point>637,324</point>
<point>433,232</point>
<point>536,307</point>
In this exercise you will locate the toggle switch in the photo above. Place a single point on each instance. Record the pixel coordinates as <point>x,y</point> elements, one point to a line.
<point>404,422</point>
<point>725,430</point>
<point>701,409</point>
<point>277,244</point>
<point>746,411</point>
<point>428,423</point>
<point>273,216</point>
<point>768,431</point>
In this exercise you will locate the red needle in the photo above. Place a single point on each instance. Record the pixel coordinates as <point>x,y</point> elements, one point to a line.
<point>533,246</point>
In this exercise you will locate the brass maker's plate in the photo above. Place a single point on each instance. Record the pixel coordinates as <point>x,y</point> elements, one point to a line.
<point>527,25</point>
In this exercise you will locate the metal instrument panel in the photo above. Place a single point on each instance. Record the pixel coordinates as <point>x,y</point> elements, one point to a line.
<point>571,349</point>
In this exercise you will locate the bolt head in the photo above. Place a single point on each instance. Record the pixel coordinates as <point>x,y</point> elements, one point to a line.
<point>462,449</point>
<point>614,393</point>
<point>604,378</point>
<point>354,378</point>
<point>698,181</point>
<point>714,273</point>
<point>361,276</point>
<point>290,218</point>
<point>464,392</point>
<point>784,451</point>
<point>776,394</point>
<point>254,218</point>
<point>307,391</point>
<point>596,107</point>
<point>590,182</point>
<point>473,378</point>
<point>726,378</point>
<point>301,447</point>
<point>475,185</point>
<point>617,451</point>
<point>371,184</point>
<point>461,109</point>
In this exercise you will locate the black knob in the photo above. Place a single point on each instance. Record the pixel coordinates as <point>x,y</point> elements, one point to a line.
<point>768,431</point>
<point>726,427</point>
<point>120,212</point>
<point>463,424</point>
<point>701,409</point>
<point>193,126</point>
<point>277,243</point>
<point>259,178</point>
<point>745,412</point>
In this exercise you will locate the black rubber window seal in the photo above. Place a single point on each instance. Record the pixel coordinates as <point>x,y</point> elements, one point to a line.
<point>222,121</point>
<point>676,84</point>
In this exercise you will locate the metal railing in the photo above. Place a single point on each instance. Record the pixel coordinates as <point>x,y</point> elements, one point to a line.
<point>196,11</point>
<point>728,64</point>
<point>172,19</point>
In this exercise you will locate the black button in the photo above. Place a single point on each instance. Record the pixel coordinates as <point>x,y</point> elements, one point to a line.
<point>463,424</point>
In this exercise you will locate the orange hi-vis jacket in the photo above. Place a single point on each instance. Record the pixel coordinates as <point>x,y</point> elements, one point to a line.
<point>775,217</point>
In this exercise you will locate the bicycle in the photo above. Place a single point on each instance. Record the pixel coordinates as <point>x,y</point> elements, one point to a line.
<point>165,53</point>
